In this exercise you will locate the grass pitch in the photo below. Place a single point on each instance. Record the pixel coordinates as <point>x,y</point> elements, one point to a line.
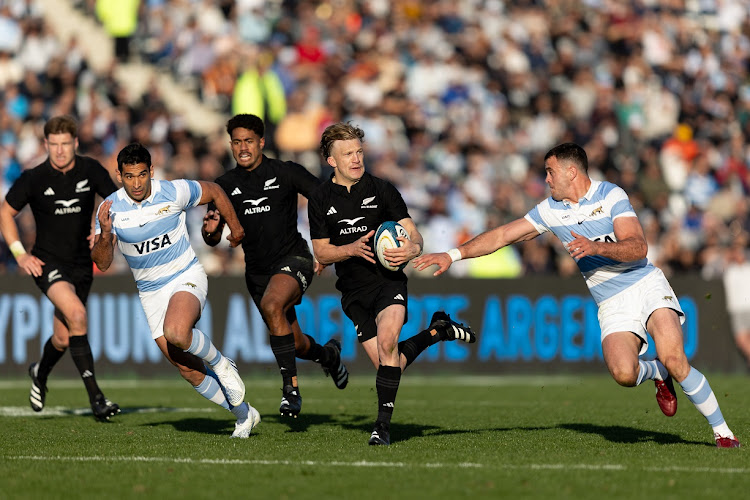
<point>452,437</point>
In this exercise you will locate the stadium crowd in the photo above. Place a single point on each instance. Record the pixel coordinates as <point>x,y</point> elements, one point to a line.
<point>459,100</point>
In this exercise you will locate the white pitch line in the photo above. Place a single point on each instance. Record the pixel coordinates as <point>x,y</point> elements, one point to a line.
<point>222,461</point>
<point>418,380</point>
<point>365,463</point>
<point>61,411</point>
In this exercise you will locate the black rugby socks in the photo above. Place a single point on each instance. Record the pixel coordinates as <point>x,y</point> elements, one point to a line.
<point>283,348</point>
<point>316,352</point>
<point>413,346</point>
<point>50,357</point>
<point>386,384</point>
<point>80,350</point>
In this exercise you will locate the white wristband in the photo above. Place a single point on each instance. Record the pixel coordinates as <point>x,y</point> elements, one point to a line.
<point>17,249</point>
<point>454,254</point>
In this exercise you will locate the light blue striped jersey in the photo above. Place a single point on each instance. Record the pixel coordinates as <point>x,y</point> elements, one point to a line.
<point>152,235</point>
<point>593,217</point>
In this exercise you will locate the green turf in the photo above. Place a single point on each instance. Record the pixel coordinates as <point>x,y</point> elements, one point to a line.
<point>471,437</point>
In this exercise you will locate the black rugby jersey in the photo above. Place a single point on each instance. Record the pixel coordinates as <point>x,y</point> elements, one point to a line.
<point>265,200</point>
<point>62,205</point>
<point>343,217</point>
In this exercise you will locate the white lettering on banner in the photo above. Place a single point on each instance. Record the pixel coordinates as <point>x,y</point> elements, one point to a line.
<point>25,324</point>
<point>47,316</point>
<point>118,330</point>
<point>5,303</point>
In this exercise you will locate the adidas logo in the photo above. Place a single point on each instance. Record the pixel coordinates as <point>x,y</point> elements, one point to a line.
<point>87,374</point>
<point>398,297</point>
<point>236,192</point>
<point>49,192</point>
<point>388,405</point>
<point>331,211</point>
<point>287,269</point>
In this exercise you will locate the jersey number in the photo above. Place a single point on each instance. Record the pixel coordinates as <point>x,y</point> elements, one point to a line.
<point>607,239</point>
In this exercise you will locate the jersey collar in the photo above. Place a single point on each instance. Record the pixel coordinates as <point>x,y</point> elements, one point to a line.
<point>589,194</point>
<point>355,187</point>
<point>54,171</point>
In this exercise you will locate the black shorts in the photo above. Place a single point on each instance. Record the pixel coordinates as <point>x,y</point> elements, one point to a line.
<point>80,277</point>
<point>299,267</point>
<point>363,306</point>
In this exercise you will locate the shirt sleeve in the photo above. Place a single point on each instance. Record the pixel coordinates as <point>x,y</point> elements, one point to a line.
<point>396,208</point>
<point>621,206</point>
<point>303,181</point>
<point>19,193</point>
<point>188,192</point>
<point>534,216</point>
<point>104,185</point>
<point>318,229</point>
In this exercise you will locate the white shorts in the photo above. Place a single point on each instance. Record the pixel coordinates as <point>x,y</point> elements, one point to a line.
<point>155,303</point>
<point>740,322</point>
<point>628,311</point>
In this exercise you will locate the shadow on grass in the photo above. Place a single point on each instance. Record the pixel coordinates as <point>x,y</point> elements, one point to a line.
<point>360,423</point>
<point>305,420</point>
<point>200,425</point>
<point>621,434</point>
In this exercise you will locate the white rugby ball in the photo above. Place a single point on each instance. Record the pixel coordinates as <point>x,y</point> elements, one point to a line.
<point>385,237</point>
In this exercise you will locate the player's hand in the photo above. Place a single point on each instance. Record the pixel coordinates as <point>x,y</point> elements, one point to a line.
<point>403,254</point>
<point>30,264</point>
<point>318,267</point>
<point>211,221</point>
<point>580,246</point>
<point>91,238</point>
<point>105,217</point>
<point>442,260</point>
<point>361,248</point>
<point>235,236</point>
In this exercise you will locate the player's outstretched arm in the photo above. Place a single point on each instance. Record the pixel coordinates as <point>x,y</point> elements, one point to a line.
<point>483,244</point>
<point>30,264</point>
<point>327,253</point>
<point>103,251</point>
<point>214,192</point>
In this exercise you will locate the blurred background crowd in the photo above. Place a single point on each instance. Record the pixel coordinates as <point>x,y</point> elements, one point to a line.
<point>459,100</point>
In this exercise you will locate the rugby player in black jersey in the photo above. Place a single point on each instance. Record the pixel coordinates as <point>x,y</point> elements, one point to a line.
<point>344,213</point>
<point>61,193</point>
<point>278,264</point>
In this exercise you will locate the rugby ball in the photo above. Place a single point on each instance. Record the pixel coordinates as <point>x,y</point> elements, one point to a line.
<point>385,237</point>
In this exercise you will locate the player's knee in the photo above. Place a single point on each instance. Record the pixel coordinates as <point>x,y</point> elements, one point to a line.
<point>60,341</point>
<point>387,346</point>
<point>175,335</point>
<point>77,320</point>
<point>624,375</point>
<point>271,307</point>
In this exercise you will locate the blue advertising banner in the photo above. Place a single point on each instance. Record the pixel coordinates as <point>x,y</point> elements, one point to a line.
<point>534,325</point>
